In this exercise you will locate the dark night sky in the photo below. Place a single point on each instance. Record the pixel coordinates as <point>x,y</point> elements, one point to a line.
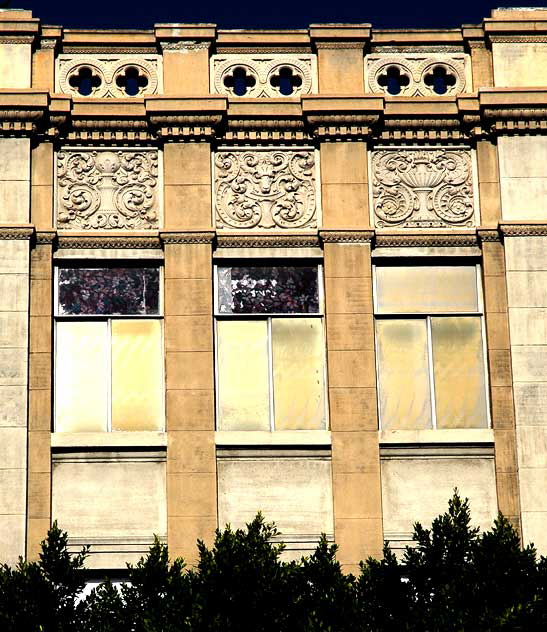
<point>260,13</point>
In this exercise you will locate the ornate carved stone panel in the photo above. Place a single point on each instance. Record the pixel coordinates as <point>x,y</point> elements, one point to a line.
<point>107,189</point>
<point>412,74</point>
<point>263,76</point>
<point>422,188</point>
<point>265,189</point>
<point>109,75</point>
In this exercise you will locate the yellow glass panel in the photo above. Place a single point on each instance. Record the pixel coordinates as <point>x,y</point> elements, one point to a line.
<point>458,363</point>
<point>137,375</point>
<point>81,376</point>
<point>243,375</point>
<point>298,373</point>
<point>403,374</point>
<point>426,289</point>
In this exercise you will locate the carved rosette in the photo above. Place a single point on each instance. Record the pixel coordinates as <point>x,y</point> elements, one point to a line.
<point>263,70</point>
<point>416,69</point>
<point>264,189</point>
<point>422,188</point>
<point>107,190</point>
<point>108,74</point>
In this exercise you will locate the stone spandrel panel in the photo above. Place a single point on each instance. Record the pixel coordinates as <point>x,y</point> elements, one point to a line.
<point>108,189</point>
<point>422,188</point>
<point>266,189</point>
<point>108,75</point>
<point>414,74</point>
<point>263,76</point>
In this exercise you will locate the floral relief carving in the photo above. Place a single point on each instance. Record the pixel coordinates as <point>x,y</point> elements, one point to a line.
<point>263,76</point>
<point>422,188</point>
<point>265,189</point>
<point>411,74</point>
<point>107,190</point>
<point>108,75</point>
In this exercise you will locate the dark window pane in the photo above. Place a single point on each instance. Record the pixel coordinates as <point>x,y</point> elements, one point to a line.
<point>268,290</point>
<point>108,291</point>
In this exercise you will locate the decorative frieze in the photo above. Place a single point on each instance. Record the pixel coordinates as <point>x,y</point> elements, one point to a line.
<point>263,76</point>
<point>412,74</point>
<point>108,75</point>
<point>265,189</point>
<point>422,188</point>
<point>107,189</point>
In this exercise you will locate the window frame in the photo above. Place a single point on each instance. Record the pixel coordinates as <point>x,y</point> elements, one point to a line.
<point>108,318</point>
<point>223,316</point>
<point>427,317</point>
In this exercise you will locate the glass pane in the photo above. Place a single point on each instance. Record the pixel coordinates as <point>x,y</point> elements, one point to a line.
<point>268,290</point>
<point>426,289</point>
<point>298,373</point>
<point>81,376</point>
<point>108,291</point>
<point>137,375</point>
<point>243,375</point>
<point>403,374</point>
<point>458,363</point>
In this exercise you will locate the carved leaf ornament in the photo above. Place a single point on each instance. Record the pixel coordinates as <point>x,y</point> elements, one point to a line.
<point>422,188</point>
<point>107,190</point>
<point>265,189</point>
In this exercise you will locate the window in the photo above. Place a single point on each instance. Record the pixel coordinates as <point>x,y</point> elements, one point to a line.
<point>430,347</point>
<point>270,350</point>
<point>108,349</point>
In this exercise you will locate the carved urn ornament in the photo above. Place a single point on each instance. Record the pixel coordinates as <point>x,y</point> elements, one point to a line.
<point>265,189</point>
<point>422,188</point>
<point>107,190</point>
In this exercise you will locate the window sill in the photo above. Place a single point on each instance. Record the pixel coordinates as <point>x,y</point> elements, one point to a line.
<point>279,437</point>
<point>461,435</point>
<point>139,439</point>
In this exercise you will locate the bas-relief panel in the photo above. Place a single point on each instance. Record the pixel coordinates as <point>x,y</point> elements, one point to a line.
<point>108,189</point>
<point>263,76</point>
<point>411,74</point>
<point>108,75</point>
<point>266,189</point>
<point>422,188</point>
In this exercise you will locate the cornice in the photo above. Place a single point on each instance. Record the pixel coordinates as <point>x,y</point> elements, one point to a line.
<point>332,117</point>
<point>489,234</point>
<point>421,239</point>
<point>78,241</point>
<point>513,111</point>
<point>185,237</point>
<point>267,241</point>
<point>16,232</point>
<point>46,237</point>
<point>186,117</point>
<point>21,111</point>
<point>531,229</point>
<point>346,236</point>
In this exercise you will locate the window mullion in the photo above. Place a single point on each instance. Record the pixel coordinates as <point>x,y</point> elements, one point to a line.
<point>431,372</point>
<point>271,376</point>
<point>109,381</point>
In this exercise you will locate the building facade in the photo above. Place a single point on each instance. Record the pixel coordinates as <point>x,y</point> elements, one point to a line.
<point>302,272</point>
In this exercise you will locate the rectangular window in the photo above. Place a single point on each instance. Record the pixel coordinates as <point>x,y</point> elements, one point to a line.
<point>270,349</point>
<point>430,347</point>
<point>108,349</point>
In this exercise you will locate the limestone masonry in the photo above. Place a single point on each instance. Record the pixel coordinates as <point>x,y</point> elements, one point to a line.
<point>302,272</point>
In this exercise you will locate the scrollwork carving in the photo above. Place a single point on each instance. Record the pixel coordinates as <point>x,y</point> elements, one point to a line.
<point>417,188</point>
<point>107,190</point>
<point>265,189</point>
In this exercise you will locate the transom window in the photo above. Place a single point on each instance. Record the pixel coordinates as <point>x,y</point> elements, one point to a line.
<point>270,353</point>
<point>108,349</point>
<point>430,347</point>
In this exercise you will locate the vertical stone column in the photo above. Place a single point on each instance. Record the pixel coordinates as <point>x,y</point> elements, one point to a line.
<point>352,397</point>
<point>501,380</point>
<point>489,183</point>
<point>191,457</point>
<point>42,186</point>
<point>43,60</point>
<point>482,70</point>
<point>40,389</point>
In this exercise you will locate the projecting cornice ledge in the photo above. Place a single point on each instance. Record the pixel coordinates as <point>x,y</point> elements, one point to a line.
<point>513,111</point>
<point>342,116</point>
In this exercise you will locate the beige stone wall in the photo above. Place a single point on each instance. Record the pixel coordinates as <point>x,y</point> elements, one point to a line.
<point>14,180</point>
<point>527,298</point>
<point>518,64</point>
<point>14,305</point>
<point>523,178</point>
<point>15,65</point>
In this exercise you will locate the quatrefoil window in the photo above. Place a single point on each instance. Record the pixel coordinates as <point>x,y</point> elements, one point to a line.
<point>239,82</point>
<point>440,80</point>
<point>393,80</point>
<point>132,81</point>
<point>85,81</point>
<point>286,81</point>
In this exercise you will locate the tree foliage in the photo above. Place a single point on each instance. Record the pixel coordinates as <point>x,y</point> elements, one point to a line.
<point>454,579</point>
